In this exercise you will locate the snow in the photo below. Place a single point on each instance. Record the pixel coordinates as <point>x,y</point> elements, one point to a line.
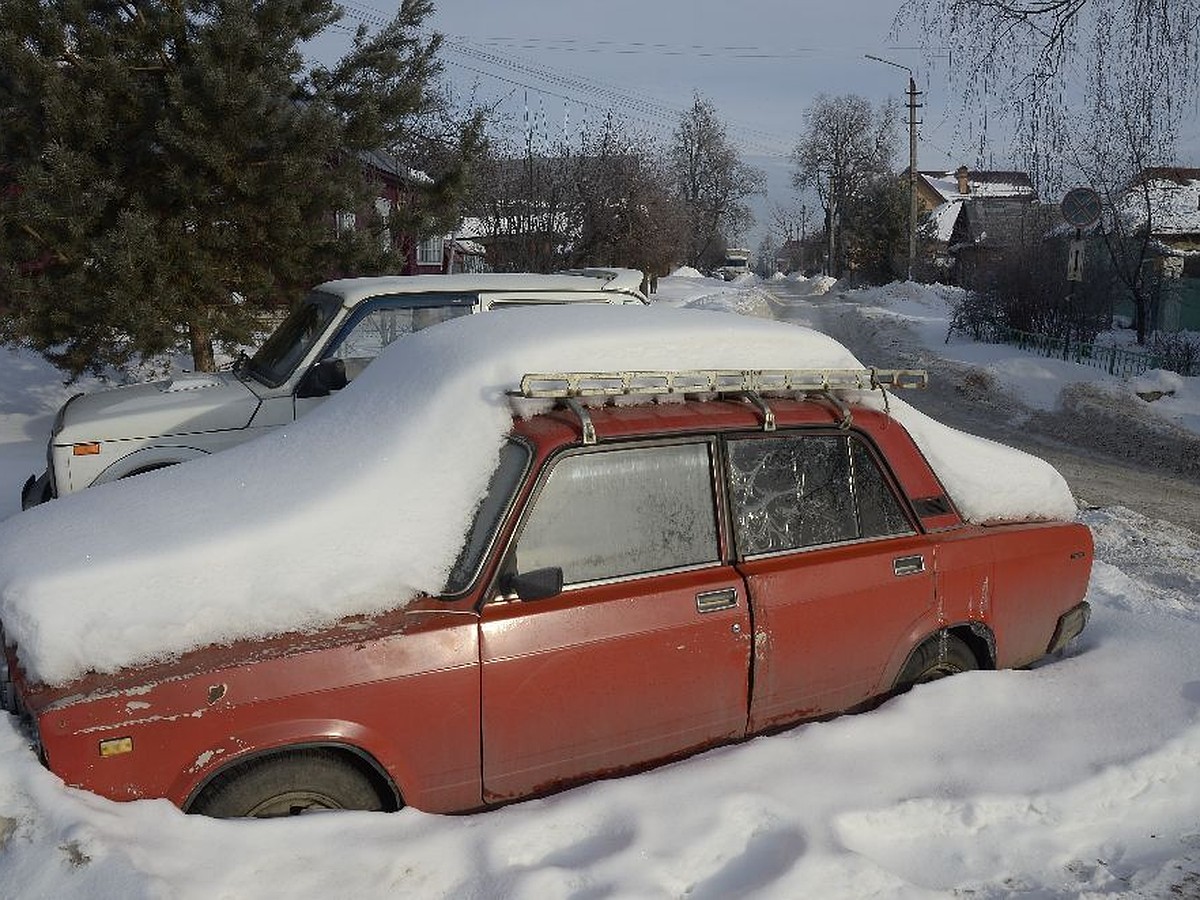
<point>1037,380</point>
<point>1077,778</point>
<point>944,216</point>
<point>77,595</point>
<point>979,184</point>
<point>1174,199</point>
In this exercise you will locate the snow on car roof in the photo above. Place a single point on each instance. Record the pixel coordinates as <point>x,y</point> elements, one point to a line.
<point>363,503</point>
<point>355,290</point>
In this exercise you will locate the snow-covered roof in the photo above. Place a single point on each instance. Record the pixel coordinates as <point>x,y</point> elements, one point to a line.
<point>471,227</point>
<point>465,246</point>
<point>1174,196</point>
<point>384,162</point>
<point>363,503</point>
<point>981,184</point>
<point>943,218</point>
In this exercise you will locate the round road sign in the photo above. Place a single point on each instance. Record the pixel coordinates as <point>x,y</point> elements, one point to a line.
<point>1081,207</point>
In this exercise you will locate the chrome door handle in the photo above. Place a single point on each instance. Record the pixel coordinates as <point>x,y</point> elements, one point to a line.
<point>908,565</point>
<point>714,601</point>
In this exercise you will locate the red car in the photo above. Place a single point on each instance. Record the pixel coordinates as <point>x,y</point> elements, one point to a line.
<point>640,583</point>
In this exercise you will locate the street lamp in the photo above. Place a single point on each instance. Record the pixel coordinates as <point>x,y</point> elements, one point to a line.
<point>912,159</point>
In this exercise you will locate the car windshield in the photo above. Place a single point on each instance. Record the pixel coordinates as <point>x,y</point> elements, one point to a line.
<point>279,355</point>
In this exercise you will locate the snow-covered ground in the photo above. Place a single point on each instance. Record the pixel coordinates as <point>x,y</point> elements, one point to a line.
<point>1077,778</point>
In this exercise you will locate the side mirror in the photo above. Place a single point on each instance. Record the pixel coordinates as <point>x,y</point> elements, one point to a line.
<point>536,585</point>
<point>322,379</point>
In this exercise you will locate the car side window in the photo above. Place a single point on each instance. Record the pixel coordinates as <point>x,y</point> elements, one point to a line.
<point>879,511</point>
<point>796,491</point>
<point>623,511</point>
<point>376,326</point>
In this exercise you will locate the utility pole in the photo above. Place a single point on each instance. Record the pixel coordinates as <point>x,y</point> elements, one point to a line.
<point>913,106</point>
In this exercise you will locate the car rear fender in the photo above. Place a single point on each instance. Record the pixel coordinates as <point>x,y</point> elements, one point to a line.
<point>976,635</point>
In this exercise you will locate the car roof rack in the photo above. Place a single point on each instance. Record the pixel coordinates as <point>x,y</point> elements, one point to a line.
<point>745,384</point>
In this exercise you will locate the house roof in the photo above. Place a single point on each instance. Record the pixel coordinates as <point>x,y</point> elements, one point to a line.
<point>981,183</point>
<point>983,186</point>
<point>943,218</point>
<point>387,164</point>
<point>1174,195</point>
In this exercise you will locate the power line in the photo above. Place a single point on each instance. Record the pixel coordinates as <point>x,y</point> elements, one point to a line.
<point>645,107</point>
<point>626,48</point>
<point>579,89</point>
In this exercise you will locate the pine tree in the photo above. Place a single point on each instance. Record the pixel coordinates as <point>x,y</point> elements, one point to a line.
<point>170,170</point>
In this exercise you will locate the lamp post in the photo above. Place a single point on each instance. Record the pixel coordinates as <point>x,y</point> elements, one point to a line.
<point>912,159</point>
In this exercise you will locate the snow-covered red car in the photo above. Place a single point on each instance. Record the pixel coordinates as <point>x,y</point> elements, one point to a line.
<point>641,564</point>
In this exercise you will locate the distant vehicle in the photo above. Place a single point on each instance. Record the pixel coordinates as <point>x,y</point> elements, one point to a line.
<point>640,583</point>
<point>737,262</point>
<point>321,346</point>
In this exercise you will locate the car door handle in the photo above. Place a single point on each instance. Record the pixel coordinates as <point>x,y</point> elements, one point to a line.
<point>908,565</point>
<point>713,601</point>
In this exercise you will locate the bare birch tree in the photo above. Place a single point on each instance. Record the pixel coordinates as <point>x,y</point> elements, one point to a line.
<point>846,144</point>
<point>1051,64</point>
<point>712,180</point>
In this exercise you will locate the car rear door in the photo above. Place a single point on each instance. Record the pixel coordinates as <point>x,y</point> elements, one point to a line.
<point>645,653</point>
<point>836,572</point>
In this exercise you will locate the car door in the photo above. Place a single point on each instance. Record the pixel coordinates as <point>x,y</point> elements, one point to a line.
<point>836,572</point>
<point>644,654</point>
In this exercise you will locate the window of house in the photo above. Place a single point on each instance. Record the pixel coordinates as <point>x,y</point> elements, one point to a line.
<point>429,252</point>
<point>345,222</point>
<point>383,209</point>
<point>795,491</point>
<point>623,512</point>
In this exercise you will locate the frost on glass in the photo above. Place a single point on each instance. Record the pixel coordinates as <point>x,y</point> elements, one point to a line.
<point>791,492</point>
<point>623,512</point>
<point>878,509</point>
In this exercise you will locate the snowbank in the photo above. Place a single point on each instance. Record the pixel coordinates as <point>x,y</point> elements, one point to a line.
<point>819,284</point>
<point>320,520</point>
<point>687,272</point>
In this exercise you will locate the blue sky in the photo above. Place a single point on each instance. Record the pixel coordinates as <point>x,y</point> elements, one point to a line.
<point>761,62</point>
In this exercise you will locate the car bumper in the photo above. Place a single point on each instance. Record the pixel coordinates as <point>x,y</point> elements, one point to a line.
<point>38,489</point>
<point>1070,624</point>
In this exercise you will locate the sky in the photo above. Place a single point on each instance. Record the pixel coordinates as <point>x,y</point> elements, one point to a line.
<point>761,63</point>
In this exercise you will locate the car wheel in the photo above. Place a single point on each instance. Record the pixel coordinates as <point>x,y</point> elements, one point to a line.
<point>939,657</point>
<point>288,785</point>
<point>143,471</point>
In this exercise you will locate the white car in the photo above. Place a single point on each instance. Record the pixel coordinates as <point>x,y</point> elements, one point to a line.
<point>321,346</point>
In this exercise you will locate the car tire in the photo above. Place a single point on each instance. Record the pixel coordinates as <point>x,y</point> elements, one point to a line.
<point>288,785</point>
<point>939,657</point>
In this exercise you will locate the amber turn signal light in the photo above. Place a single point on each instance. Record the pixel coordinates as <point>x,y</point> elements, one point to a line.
<point>90,449</point>
<point>116,746</point>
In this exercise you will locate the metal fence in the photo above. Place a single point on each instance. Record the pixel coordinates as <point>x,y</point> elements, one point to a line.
<point>1113,360</point>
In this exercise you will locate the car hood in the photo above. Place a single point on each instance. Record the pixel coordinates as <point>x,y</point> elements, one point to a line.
<point>184,404</point>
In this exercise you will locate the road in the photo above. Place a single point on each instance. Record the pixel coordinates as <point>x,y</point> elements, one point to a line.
<point>1105,459</point>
